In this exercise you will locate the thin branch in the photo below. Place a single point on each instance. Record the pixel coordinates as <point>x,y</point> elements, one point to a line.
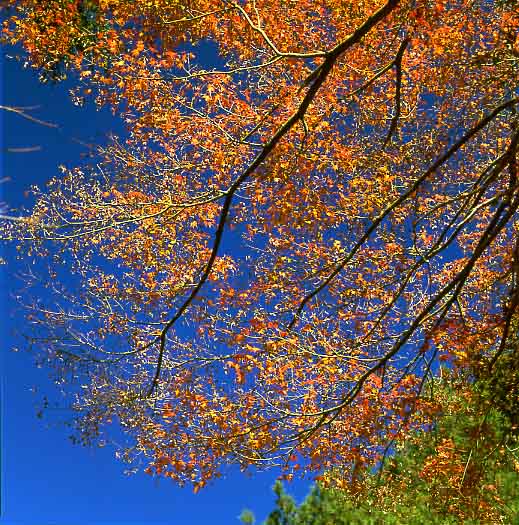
<point>22,113</point>
<point>197,17</point>
<point>257,27</point>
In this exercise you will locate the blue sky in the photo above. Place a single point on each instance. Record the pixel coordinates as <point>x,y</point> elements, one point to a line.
<point>45,479</point>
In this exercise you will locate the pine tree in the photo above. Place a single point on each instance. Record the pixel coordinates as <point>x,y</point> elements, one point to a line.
<point>464,470</point>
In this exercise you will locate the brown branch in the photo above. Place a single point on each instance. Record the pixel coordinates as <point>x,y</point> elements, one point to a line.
<point>258,29</point>
<point>398,86</point>
<point>514,298</point>
<point>197,17</point>
<point>322,73</point>
<point>444,240</point>
<point>495,226</point>
<point>382,215</point>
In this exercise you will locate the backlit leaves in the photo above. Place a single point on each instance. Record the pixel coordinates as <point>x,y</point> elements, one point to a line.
<point>314,205</point>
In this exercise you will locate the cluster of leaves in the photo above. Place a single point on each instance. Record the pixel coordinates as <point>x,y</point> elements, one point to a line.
<point>464,470</point>
<point>316,202</point>
<point>87,34</point>
<point>57,33</point>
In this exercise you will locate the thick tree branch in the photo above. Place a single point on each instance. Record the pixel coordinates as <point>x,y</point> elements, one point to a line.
<point>398,89</point>
<point>318,78</point>
<point>397,202</point>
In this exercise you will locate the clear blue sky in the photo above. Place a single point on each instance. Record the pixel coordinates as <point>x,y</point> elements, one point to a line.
<point>45,479</point>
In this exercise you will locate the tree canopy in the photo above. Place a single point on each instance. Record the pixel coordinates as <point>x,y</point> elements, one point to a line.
<point>464,470</point>
<point>315,205</point>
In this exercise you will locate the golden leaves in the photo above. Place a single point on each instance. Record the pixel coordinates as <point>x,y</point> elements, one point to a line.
<point>256,244</point>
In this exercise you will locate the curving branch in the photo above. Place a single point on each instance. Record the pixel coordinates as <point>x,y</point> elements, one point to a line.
<point>320,75</point>
<point>398,88</point>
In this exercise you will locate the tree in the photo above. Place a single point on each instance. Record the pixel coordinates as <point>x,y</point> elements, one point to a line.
<point>315,204</point>
<point>464,471</point>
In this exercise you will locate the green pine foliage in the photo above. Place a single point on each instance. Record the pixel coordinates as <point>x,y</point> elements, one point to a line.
<point>465,470</point>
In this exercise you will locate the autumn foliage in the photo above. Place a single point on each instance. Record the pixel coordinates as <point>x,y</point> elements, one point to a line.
<point>315,205</point>
<point>464,470</point>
